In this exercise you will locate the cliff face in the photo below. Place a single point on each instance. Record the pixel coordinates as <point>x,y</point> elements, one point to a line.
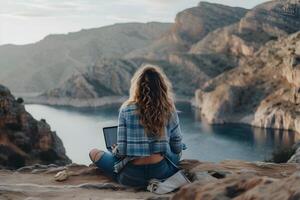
<point>263,91</point>
<point>267,21</point>
<point>23,140</point>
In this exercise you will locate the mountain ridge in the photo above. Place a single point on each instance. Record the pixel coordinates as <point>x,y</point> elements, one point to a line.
<point>48,62</point>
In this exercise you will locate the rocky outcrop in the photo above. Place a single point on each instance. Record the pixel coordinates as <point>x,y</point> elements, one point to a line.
<point>241,41</point>
<point>296,157</point>
<point>263,91</point>
<point>224,180</point>
<point>24,140</point>
<point>243,187</point>
<point>241,180</point>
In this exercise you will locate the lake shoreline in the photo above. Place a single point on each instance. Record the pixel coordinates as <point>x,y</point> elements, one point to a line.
<point>87,103</point>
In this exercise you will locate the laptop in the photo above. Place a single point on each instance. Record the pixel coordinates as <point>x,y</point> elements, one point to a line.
<point>110,136</point>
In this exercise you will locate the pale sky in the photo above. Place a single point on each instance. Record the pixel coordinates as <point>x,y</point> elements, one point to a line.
<point>28,21</point>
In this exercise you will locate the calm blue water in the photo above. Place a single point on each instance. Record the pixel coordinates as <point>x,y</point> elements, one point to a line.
<point>81,130</point>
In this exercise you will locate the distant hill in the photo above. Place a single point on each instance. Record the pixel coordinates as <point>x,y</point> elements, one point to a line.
<point>47,63</point>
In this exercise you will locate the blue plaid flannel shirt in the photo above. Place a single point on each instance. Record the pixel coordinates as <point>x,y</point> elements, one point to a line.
<point>133,142</point>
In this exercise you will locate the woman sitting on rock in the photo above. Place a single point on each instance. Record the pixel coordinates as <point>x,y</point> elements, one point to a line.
<point>149,137</point>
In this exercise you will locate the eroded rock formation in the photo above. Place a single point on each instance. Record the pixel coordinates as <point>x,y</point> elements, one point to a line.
<point>24,140</point>
<point>48,63</point>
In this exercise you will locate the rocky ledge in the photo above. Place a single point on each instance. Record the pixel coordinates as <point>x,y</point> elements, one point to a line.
<point>24,140</point>
<point>224,180</point>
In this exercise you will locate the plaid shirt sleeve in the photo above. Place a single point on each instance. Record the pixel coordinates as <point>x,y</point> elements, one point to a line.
<point>122,135</point>
<point>175,134</point>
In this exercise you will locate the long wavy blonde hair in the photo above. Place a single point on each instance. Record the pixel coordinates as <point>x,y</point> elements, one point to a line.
<point>151,90</point>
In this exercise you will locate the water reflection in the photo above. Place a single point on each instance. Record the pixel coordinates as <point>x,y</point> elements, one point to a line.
<point>231,141</point>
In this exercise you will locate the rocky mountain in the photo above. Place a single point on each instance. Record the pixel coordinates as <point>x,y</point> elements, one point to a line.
<point>24,140</point>
<point>47,63</point>
<point>204,42</point>
<point>191,25</point>
<point>265,22</point>
<point>263,91</point>
<point>186,71</point>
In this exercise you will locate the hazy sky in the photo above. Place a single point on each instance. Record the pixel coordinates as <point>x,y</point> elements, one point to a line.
<point>27,21</point>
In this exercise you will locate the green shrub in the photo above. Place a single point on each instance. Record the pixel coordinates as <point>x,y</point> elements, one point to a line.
<point>282,155</point>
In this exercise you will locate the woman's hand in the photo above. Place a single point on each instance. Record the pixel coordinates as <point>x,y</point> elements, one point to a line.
<point>114,148</point>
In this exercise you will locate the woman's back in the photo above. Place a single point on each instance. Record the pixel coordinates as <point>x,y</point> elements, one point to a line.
<point>134,141</point>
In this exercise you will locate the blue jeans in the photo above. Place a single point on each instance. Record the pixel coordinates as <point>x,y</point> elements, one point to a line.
<point>139,175</point>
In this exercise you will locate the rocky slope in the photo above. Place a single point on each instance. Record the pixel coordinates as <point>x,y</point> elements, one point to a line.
<point>265,22</point>
<point>51,61</point>
<point>24,140</point>
<point>263,91</point>
<point>224,180</point>
<point>191,25</point>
